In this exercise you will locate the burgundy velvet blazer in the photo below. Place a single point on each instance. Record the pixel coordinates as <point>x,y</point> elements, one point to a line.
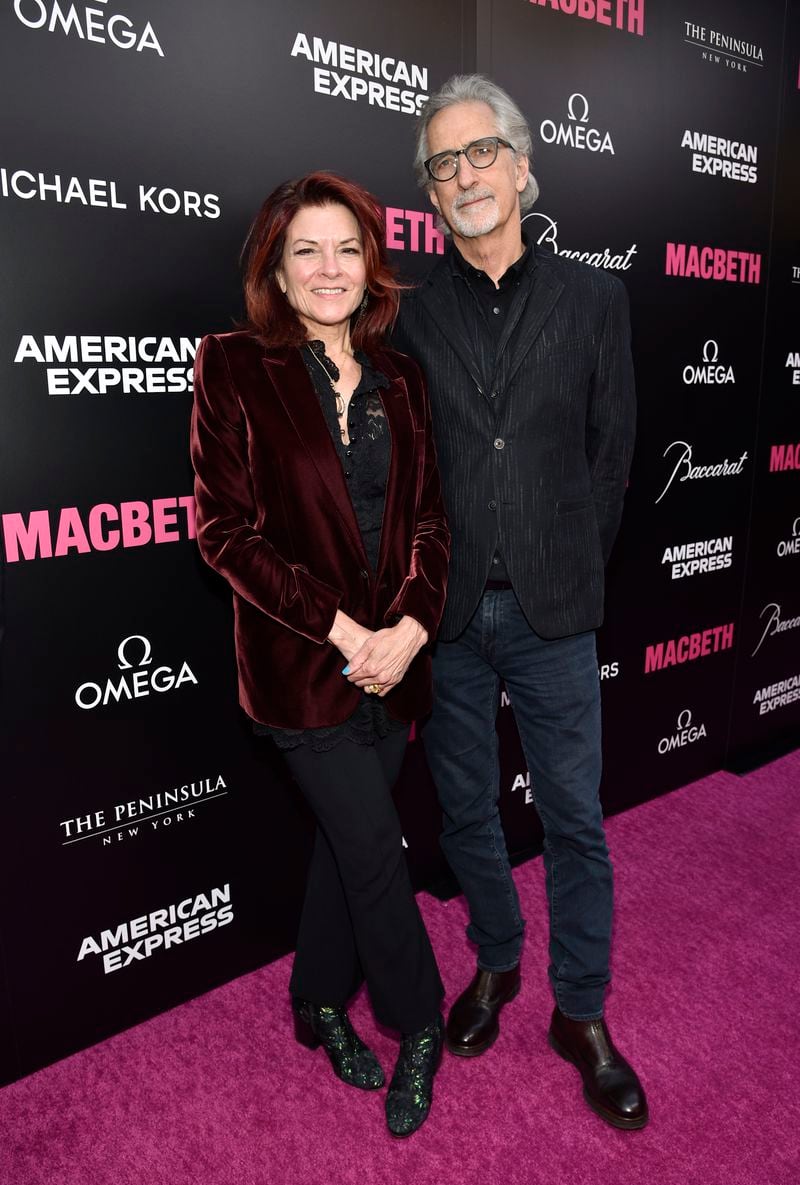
<point>275,518</point>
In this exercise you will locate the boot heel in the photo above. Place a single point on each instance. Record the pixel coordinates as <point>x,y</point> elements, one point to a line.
<point>303,1030</point>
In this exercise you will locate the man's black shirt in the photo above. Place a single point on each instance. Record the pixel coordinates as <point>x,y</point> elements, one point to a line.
<point>485,308</point>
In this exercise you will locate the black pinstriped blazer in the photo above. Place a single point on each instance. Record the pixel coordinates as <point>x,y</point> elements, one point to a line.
<point>535,457</point>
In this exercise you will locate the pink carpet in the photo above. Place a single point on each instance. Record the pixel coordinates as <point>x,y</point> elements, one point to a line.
<point>705,1004</point>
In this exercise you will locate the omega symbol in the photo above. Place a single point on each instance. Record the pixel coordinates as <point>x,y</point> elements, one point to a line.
<point>571,108</point>
<point>684,720</point>
<point>124,665</point>
<point>706,351</point>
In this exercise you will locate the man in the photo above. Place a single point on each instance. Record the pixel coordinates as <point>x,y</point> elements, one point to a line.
<point>528,362</point>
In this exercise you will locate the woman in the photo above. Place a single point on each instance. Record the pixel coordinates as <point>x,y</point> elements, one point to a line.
<point>318,500</point>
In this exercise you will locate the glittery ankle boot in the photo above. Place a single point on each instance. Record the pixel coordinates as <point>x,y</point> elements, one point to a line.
<point>352,1060</point>
<point>408,1099</point>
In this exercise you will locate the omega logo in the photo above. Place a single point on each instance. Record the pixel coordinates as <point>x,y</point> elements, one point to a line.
<point>574,134</point>
<point>571,107</point>
<point>124,665</point>
<point>87,23</point>
<point>141,683</point>
<point>686,734</point>
<point>791,546</point>
<point>711,371</point>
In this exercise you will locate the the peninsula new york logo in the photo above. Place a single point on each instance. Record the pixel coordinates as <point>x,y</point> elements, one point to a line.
<point>723,49</point>
<point>145,814</point>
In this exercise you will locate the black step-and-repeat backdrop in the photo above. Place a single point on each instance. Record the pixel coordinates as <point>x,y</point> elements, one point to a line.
<point>151,848</point>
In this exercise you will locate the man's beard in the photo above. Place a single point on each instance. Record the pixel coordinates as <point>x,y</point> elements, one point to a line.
<point>471,223</point>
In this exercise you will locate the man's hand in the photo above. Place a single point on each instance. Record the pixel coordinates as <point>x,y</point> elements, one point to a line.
<point>386,655</point>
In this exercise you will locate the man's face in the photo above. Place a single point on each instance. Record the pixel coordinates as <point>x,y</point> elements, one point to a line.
<point>475,201</point>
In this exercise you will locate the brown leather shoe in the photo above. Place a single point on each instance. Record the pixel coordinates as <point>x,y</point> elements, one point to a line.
<point>474,1021</point>
<point>610,1085</point>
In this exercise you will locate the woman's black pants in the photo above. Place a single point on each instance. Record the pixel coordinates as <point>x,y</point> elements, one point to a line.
<point>360,920</point>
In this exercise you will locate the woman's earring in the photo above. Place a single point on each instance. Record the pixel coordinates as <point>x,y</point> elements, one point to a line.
<point>362,308</point>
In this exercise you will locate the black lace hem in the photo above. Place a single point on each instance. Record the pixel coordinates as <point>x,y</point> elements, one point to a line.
<point>368,723</point>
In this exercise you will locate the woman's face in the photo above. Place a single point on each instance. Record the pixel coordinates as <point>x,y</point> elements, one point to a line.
<point>322,271</point>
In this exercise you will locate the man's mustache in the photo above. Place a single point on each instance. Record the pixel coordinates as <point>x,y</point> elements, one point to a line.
<point>473,195</point>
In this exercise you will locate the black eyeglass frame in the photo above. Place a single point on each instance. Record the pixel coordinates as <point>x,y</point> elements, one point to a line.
<point>498,142</point>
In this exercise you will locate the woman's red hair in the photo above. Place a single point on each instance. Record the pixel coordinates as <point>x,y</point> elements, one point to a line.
<point>270,315</point>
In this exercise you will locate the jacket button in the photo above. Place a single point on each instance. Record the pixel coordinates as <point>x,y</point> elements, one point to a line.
<point>499,443</point>
<point>493,395</point>
<point>493,505</point>
<point>364,574</point>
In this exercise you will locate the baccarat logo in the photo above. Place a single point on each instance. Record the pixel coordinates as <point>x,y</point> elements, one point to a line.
<point>683,466</point>
<point>543,231</point>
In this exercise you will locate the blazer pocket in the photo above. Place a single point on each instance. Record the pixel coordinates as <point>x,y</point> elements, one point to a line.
<point>572,345</point>
<point>574,505</point>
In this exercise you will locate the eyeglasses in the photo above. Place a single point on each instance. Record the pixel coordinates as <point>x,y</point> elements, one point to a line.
<point>480,154</point>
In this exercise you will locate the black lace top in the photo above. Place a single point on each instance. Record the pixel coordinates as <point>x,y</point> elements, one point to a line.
<point>365,461</point>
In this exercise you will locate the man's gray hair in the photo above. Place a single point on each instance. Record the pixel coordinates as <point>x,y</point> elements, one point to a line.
<point>511,124</point>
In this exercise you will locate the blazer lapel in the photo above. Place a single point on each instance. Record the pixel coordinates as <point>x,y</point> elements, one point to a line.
<point>544,296</point>
<point>397,409</point>
<point>439,300</point>
<point>292,385</point>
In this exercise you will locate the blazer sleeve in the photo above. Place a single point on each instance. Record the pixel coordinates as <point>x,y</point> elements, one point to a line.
<point>423,592</point>
<point>226,510</point>
<point>611,418</point>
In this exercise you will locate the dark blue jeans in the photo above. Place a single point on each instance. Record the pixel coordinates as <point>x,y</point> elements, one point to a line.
<point>555,696</point>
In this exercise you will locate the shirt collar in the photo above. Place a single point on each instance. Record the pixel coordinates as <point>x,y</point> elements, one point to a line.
<point>525,263</point>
